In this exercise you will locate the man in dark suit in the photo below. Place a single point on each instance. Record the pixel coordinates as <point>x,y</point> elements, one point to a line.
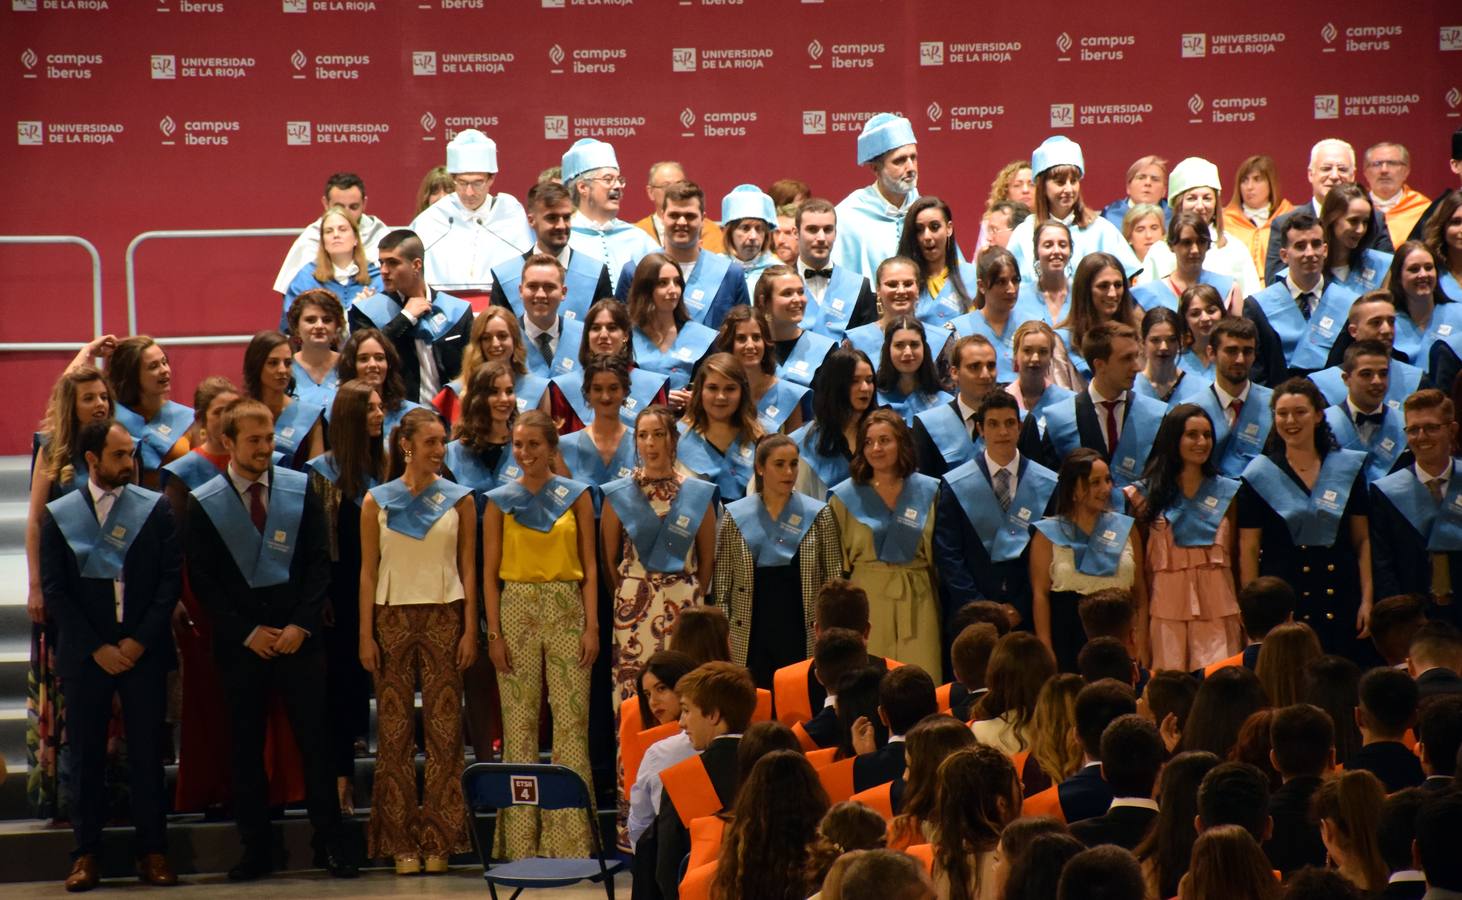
<point>1302,741</point>
<point>837,653</point>
<point>1438,823</point>
<point>551,339</point>
<point>1086,795</point>
<point>948,435</point>
<point>838,297</point>
<point>1132,754</point>
<point>1395,834</point>
<point>982,530</point>
<point>1435,659</point>
<point>1264,604</point>
<point>1235,793</point>
<point>111,572</point>
<point>1388,699</point>
<point>1332,162</point>
<point>905,697</point>
<point>550,212</point>
<point>1438,740</point>
<point>797,694</point>
<point>429,329</point>
<point>258,560</point>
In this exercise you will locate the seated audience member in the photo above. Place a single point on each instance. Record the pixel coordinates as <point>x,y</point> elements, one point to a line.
<point>657,696</point>
<point>1036,873</point>
<point>1435,659</point>
<point>905,698</point>
<point>1015,843</point>
<point>1111,614</point>
<point>1264,604</point>
<point>1019,666</point>
<point>798,695</point>
<point>1102,873</point>
<point>1224,700</point>
<point>1303,742</point>
<point>847,827</point>
<point>1132,754</point>
<point>1055,753</point>
<point>1286,652</point>
<point>1439,741</point>
<point>1085,795</point>
<point>1395,835</point>
<point>969,657</point>
<point>1348,807</point>
<point>979,794</point>
<point>1437,826</point>
<point>878,875</point>
<point>1166,703</point>
<point>1254,746</point>
<point>856,697</point>
<point>1394,622</point>
<point>1166,851</point>
<point>837,652</point>
<point>1315,883</point>
<point>1388,699</point>
<point>1333,684</point>
<point>1106,658</point>
<point>1235,793</point>
<point>914,803</point>
<point>1228,864</point>
<point>765,849</point>
<point>1003,617</point>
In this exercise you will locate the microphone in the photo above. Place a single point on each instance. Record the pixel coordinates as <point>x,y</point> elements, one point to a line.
<point>451,221</point>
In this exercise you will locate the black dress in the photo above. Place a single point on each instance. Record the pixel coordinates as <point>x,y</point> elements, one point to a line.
<point>778,634</point>
<point>347,684</point>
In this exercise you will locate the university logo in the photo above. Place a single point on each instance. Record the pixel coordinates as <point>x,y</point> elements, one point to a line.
<point>428,125</point>
<point>29,59</point>
<point>814,121</point>
<point>1327,106</point>
<point>23,6</point>
<point>1451,37</point>
<point>30,134</point>
<point>555,128</point>
<point>814,53</point>
<point>1195,46</point>
<point>556,57</point>
<point>1328,34</point>
<point>424,62</point>
<point>935,112</point>
<point>553,4</point>
<point>687,122</point>
<point>168,128</point>
<point>1195,109</point>
<point>297,134</point>
<point>299,61</point>
<point>931,53</point>
<point>164,67</point>
<point>682,59</point>
<point>1063,115</point>
<point>1454,100</point>
<point>1063,46</point>
<point>296,6</point>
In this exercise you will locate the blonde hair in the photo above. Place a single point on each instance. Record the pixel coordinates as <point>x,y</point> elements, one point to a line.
<point>1000,187</point>
<point>1053,728</point>
<point>59,426</point>
<point>472,356</point>
<point>324,268</point>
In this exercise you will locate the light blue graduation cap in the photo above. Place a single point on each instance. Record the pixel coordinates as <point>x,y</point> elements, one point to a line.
<point>586,155</point>
<point>1057,150</point>
<point>746,201</point>
<point>882,133</point>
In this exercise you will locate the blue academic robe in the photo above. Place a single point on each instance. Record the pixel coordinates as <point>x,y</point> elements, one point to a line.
<point>716,284</point>
<point>618,243</point>
<point>830,315</point>
<point>939,312</point>
<point>1386,444</point>
<point>581,284</point>
<point>1233,448</point>
<point>868,230</point>
<point>347,294</point>
<point>1159,293</point>
<point>1099,236</point>
<point>1404,381</point>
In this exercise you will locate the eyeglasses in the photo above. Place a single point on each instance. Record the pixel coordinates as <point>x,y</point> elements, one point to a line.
<point>1430,429</point>
<point>612,181</point>
<point>474,185</point>
<point>1385,164</point>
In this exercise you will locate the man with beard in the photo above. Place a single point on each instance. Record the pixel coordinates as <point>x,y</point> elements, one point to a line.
<point>871,219</point>
<point>550,212</point>
<point>595,185</point>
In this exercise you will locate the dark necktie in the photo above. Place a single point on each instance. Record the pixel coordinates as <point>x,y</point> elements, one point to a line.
<point>256,505</point>
<point>1235,409</point>
<point>1112,433</point>
<point>818,273</point>
<point>545,346</point>
<point>1441,565</point>
<point>1374,418</point>
<point>1004,489</point>
<point>1305,301</point>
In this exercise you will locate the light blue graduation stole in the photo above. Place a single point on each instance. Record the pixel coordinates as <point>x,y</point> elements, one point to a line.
<point>1403,382</point>
<point>941,311</point>
<point>643,386</point>
<point>581,278</point>
<point>730,472</point>
<point>1189,362</point>
<point>329,469</point>
<point>1187,386</point>
<point>829,316</point>
<point>1441,527</point>
<point>1314,517</point>
<point>662,544</point>
<point>101,549</point>
<point>445,312</point>
<point>1099,553</point>
<point>778,403</point>
<point>974,322</point>
<point>293,426</point>
<point>1386,444</point>
<point>394,417</point>
<point>541,510</point>
<point>830,469</point>
<point>949,434</point>
<point>897,532</point>
<point>565,356</point>
<point>869,339</point>
<point>584,461</point>
<point>773,542</point>
<point>414,515</point>
<point>1151,294</point>
<point>703,284</point>
<point>1446,321</point>
<point>1004,533</point>
<point>911,405</point>
<point>677,363</point>
<point>806,356</point>
<point>528,388</point>
<point>1306,344</point>
<point>1139,429</point>
<point>1050,397</point>
<point>468,469</point>
<point>1195,520</point>
<point>157,437</point>
<point>194,469</point>
<point>321,393</point>
<point>1033,303</point>
<point>1369,274</point>
<point>263,559</point>
<point>1234,447</point>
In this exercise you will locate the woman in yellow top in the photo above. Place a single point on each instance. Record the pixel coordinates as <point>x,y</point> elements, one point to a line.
<point>541,591</point>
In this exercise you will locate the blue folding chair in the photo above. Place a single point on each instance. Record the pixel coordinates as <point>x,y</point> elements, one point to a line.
<point>497,786</point>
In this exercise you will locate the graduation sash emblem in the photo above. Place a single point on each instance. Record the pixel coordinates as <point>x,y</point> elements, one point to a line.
<point>897,532</point>
<point>263,559</point>
<point>1314,517</point>
<point>829,316</point>
<point>293,426</point>
<point>565,356</point>
<point>1234,447</point>
<point>538,511</point>
<point>583,459</point>
<point>830,469</point>
<point>704,282</point>
<point>662,544</point>
<point>468,469</point>
<point>101,549</point>
<point>528,388</point>
<point>806,356</point>
<point>949,434</point>
<point>773,542</point>
<point>1099,553</point>
<point>1440,526</point>
<point>1003,533</point>
<point>778,403</point>
<point>156,437</point>
<point>1195,520</point>
<point>731,471</point>
<point>1306,343</point>
<point>1386,444</point>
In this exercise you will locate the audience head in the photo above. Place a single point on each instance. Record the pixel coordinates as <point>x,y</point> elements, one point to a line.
<point>759,739</point>
<point>655,687</point>
<point>1388,701</point>
<point>1264,604</point>
<point>926,747</point>
<point>716,698</point>
<point>1102,873</point>
<point>1228,862</point>
<point>1439,734</point>
<point>1333,684</point>
<point>1019,666</point>
<point>1132,754</point>
<point>1286,651</point>
<point>1169,843</point>
<point>1301,741</point>
<point>849,826</point>
<point>979,794</point>
<point>1224,700</point>
<point>835,653</point>
<point>1394,621</point>
<point>1108,613</point>
<point>1097,706</point>
<point>905,696</point>
<point>857,698</point>
<point>1396,828</point>
<point>1437,825</point>
<point>1053,727</point>
<point>1235,793</point>
<point>1254,745</point>
<point>969,656</point>
<point>1106,657</point>
<point>1035,874</point>
<point>1315,883</point>
<point>879,875</point>
<point>1348,808</point>
<point>1016,841</point>
<point>981,611</point>
<point>778,808</point>
<point>1435,645</point>
<point>841,604</point>
<point>702,633</point>
<point>1169,692</point>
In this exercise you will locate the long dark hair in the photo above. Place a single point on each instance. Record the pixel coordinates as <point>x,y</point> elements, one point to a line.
<point>970,817</point>
<point>831,407</point>
<point>1333,684</point>
<point>1035,874</point>
<point>764,852</point>
<point>1019,667</point>
<point>909,246</point>
<point>926,746</point>
<point>255,355</point>
<point>1169,844</point>
<point>1334,208</point>
<point>641,297</point>
<point>666,665</point>
<point>1075,470</point>
<point>357,455</point>
<point>393,389</point>
<point>619,312</point>
<point>857,694</point>
<point>726,337</point>
<point>1083,315</point>
<point>411,423</point>
<point>1398,265</point>
<point>926,377</point>
<point>1160,477</point>
<point>475,424</point>
<point>1324,438</point>
<point>993,262</point>
<point>1225,699</point>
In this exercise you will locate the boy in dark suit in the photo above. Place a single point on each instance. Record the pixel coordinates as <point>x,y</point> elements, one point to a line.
<point>1132,754</point>
<point>1439,740</point>
<point>1388,699</point>
<point>1395,834</point>
<point>1302,741</point>
<point>1086,795</point>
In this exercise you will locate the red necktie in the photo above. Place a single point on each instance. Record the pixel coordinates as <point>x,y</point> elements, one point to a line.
<point>1112,433</point>
<point>256,505</point>
<point>1235,408</point>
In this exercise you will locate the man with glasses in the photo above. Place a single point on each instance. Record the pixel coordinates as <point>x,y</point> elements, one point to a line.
<point>662,175</point>
<point>748,219</point>
<point>471,230</point>
<point>1332,162</point>
<point>1387,166</point>
<point>347,191</point>
<point>591,173</point>
<point>1416,512</point>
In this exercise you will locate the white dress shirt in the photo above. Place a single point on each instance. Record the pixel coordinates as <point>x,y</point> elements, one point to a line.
<point>1226,400</point>
<point>102,501</point>
<point>1101,413</point>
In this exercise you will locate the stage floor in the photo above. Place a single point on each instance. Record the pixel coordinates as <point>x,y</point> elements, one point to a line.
<point>376,883</point>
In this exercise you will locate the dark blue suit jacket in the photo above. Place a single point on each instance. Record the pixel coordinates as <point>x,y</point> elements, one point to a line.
<point>731,291</point>
<point>1085,795</point>
<point>879,767</point>
<point>1400,563</point>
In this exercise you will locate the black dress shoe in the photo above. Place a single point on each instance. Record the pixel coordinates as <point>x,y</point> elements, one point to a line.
<point>250,868</point>
<point>340,865</point>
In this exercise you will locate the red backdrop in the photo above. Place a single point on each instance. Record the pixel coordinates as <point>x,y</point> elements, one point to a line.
<point>134,115</point>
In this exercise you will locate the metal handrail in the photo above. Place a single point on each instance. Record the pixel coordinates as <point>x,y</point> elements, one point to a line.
<point>96,291</point>
<point>131,269</point>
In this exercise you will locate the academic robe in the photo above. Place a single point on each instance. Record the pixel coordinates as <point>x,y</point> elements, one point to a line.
<point>868,229</point>
<point>616,242</point>
<point>463,245</point>
<point>306,248</point>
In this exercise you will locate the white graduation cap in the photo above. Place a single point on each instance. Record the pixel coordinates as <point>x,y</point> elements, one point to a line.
<point>1191,173</point>
<point>1057,150</point>
<point>586,155</point>
<point>471,151</point>
<point>882,133</point>
<point>746,201</point>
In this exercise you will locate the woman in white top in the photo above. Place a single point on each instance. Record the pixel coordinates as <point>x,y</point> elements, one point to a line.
<point>1193,187</point>
<point>1004,716</point>
<point>418,609</point>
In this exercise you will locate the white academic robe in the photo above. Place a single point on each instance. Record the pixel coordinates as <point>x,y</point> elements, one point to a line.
<point>1232,259</point>
<point>307,246</point>
<point>463,245</point>
<point>616,242</point>
<point>868,230</point>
